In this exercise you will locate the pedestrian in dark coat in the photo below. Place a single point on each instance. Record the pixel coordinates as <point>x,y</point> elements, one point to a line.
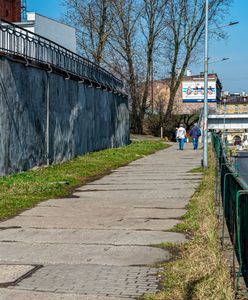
<point>195,133</point>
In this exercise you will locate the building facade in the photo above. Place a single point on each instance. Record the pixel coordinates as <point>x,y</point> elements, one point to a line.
<point>190,95</point>
<point>55,31</point>
<point>10,10</point>
<point>236,103</point>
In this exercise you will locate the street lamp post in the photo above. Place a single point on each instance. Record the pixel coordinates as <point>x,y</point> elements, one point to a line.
<point>219,60</point>
<point>224,124</point>
<point>205,108</point>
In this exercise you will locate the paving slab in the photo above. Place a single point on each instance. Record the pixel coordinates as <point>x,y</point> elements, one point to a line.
<point>171,201</point>
<point>145,193</point>
<point>9,294</point>
<point>86,212</point>
<point>81,254</point>
<point>10,273</point>
<point>97,244</point>
<point>94,223</point>
<point>89,236</point>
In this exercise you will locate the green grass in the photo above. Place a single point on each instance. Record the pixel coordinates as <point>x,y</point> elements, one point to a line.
<point>164,245</point>
<point>197,170</point>
<point>190,219</point>
<point>24,190</point>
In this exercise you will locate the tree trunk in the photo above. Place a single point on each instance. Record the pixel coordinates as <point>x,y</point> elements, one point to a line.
<point>175,84</point>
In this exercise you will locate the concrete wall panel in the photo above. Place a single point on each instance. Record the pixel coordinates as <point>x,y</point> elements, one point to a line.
<point>82,118</point>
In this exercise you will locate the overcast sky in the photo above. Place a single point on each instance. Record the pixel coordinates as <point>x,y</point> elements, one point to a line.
<point>233,73</point>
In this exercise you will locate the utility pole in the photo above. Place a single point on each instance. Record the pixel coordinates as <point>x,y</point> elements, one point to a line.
<point>205,107</point>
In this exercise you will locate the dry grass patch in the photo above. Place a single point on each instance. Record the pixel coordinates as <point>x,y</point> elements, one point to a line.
<point>200,272</point>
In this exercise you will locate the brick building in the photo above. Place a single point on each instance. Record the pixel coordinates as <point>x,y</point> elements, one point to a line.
<point>190,95</point>
<point>234,103</point>
<point>10,10</point>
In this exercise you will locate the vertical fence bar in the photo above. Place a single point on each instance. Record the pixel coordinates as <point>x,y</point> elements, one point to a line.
<point>238,226</point>
<point>48,121</point>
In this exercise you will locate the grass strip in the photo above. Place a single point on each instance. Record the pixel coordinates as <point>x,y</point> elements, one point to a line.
<point>24,190</point>
<point>197,170</point>
<point>200,271</point>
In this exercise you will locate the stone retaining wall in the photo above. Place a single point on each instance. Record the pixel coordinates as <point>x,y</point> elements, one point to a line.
<point>82,118</point>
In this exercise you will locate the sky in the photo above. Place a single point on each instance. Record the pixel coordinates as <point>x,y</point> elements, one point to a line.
<point>49,8</point>
<point>233,73</point>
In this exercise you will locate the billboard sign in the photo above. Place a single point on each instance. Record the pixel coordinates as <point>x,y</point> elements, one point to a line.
<point>193,91</point>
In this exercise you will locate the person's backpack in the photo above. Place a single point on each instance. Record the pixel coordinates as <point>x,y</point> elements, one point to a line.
<point>198,132</point>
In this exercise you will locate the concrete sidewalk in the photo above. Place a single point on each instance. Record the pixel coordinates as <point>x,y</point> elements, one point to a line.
<point>97,244</point>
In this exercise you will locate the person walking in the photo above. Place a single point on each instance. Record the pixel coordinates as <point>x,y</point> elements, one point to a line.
<point>181,134</point>
<point>195,133</point>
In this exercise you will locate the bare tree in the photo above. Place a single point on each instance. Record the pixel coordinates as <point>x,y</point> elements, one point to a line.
<point>127,31</point>
<point>154,24</point>
<point>185,30</point>
<point>92,19</point>
<point>188,120</point>
<point>126,36</point>
<point>122,42</point>
<point>136,28</point>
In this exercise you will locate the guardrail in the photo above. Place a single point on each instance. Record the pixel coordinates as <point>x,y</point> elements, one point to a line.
<point>15,40</point>
<point>234,194</point>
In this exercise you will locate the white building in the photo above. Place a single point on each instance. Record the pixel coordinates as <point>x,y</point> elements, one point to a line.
<point>57,32</point>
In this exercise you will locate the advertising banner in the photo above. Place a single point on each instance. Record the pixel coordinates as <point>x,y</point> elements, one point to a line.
<point>193,91</point>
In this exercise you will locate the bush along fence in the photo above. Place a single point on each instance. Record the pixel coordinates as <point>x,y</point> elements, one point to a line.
<point>232,196</point>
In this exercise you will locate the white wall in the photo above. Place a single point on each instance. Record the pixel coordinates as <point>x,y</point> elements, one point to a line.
<point>55,31</point>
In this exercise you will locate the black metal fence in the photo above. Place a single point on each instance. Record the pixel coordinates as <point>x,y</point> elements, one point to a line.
<point>234,195</point>
<point>16,40</point>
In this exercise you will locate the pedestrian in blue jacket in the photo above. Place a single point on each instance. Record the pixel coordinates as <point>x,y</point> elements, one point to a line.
<point>195,133</point>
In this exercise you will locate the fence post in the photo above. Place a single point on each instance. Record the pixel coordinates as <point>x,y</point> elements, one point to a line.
<point>48,121</point>
<point>238,194</point>
<point>224,206</point>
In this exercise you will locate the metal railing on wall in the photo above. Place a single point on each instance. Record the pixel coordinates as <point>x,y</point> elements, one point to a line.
<point>232,194</point>
<point>15,40</point>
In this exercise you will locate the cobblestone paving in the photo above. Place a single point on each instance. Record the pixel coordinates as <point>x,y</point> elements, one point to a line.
<point>93,280</point>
